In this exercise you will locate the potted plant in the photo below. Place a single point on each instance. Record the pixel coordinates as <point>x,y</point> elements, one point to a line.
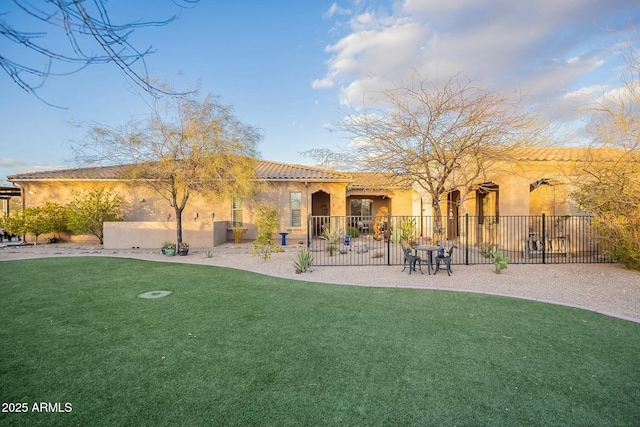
<point>170,250</point>
<point>183,248</point>
<point>238,232</point>
<point>165,245</point>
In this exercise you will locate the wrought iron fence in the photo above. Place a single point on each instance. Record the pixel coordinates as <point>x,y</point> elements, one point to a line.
<point>526,239</point>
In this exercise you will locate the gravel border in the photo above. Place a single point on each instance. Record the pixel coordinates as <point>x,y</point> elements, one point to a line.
<point>609,289</point>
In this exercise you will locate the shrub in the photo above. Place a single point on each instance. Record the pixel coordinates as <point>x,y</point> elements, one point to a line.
<point>488,249</point>
<point>264,247</point>
<point>267,220</point>
<point>407,229</point>
<point>333,236</point>
<point>331,248</point>
<point>303,261</point>
<point>168,244</point>
<point>353,232</point>
<point>90,209</point>
<point>620,236</point>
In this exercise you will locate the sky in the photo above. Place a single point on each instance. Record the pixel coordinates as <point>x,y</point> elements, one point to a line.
<point>293,68</point>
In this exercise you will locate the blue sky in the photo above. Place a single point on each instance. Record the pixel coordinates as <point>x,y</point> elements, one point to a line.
<point>290,67</point>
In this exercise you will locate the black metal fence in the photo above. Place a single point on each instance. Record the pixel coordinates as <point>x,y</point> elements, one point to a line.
<point>526,239</point>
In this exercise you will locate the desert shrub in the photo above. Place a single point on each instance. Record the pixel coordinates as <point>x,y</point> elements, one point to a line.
<point>488,249</point>
<point>333,236</point>
<point>303,261</point>
<point>267,219</point>
<point>620,238</point>
<point>90,209</point>
<point>353,232</point>
<point>263,246</point>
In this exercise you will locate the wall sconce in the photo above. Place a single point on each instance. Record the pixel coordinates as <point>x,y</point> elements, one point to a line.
<point>143,200</point>
<point>169,217</point>
<point>195,216</point>
<point>213,215</point>
<point>32,192</point>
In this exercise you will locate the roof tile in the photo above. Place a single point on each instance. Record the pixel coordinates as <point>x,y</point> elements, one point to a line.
<point>265,169</point>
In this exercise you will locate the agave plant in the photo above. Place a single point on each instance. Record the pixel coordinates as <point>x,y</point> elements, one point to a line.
<point>303,262</point>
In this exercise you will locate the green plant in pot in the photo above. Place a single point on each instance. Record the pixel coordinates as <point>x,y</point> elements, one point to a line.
<point>183,248</point>
<point>166,245</point>
<point>238,234</point>
<point>170,249</point>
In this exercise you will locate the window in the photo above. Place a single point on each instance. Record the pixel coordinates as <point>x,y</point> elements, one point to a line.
<point>361,207</point>
<point>236,212</point>
<point>296,209</point>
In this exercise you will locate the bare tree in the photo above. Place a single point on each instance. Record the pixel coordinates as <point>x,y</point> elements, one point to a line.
<point>186,146</point>
<point>87,26</point>
<point>439,137</point>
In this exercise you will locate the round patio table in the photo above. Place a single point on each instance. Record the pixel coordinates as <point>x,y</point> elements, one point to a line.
<point>429,250</point>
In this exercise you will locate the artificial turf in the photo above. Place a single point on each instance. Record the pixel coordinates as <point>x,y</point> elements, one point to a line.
<point>229,347</point>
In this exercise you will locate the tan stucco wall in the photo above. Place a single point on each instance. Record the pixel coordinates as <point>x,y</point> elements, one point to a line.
<point>144,205</point>
<point>122,235</point>
<point>514,182</point>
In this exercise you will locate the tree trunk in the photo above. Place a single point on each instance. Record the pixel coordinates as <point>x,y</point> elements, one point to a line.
<point>178,226</point>
<point>438,229</point>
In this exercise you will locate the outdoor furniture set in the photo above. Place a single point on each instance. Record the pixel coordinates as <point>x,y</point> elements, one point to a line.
<point>535,244</point>
<point>411,257</point>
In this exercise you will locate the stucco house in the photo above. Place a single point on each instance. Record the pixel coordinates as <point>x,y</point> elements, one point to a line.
<point>295,190</point>
<point>538,181</point>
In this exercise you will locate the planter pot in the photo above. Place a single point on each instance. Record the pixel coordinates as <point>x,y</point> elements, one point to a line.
<point>183,251</point>
<point>169,252</point>
<point>162,250</point>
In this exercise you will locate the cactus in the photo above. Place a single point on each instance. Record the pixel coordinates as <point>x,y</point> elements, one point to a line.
<point>500,261</point>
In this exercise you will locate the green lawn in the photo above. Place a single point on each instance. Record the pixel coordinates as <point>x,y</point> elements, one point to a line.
<point>229,347</point>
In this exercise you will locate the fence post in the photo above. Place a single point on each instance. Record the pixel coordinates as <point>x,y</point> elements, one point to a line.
<point>466,239</point>
<point>388,239</point>
<point>544,239</point>
<point>309,225</point>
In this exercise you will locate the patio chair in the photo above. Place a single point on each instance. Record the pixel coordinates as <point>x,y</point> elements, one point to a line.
<point>446,260</point>
<point>410,258</point>
<point>362,226</point>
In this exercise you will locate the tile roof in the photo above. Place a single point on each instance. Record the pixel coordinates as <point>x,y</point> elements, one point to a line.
<point>276,171</point>
<point>79,174</point>
<point>561,154</point>
<point>376,180</point>
<point>265,169</point>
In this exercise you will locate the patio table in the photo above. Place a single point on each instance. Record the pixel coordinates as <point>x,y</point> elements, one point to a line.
<point>429,250</point>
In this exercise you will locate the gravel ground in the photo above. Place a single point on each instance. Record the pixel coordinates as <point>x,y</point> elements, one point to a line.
<point>605,288</point>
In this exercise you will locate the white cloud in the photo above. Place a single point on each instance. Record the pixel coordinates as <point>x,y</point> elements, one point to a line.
<point>11,163</point>
<point>546,48</point>
<point>336,10</point>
